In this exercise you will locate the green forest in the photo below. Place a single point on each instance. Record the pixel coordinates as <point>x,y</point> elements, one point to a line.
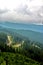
<point>18,50</point>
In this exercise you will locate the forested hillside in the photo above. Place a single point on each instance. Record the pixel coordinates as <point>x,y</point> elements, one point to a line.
<point>18,50</point>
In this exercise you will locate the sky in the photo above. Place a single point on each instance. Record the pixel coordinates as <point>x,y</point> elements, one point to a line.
<point>21,10</point>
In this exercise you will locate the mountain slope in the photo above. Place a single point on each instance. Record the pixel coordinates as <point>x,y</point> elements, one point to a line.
<point>7,58</point>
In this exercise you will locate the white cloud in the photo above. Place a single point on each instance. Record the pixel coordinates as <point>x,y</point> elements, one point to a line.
<point>25,10</point>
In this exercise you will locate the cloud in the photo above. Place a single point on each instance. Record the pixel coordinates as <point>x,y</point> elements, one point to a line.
<point>3,11</point>
<point>23,10</point>
<point>40,12</point>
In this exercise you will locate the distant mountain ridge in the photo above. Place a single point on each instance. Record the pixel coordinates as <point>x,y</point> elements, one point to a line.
<point>33,27</point>
<point>31,31</point>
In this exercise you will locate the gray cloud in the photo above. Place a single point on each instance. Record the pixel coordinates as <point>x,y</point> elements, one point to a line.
<point>35,15</point>
<point>40,12</point>
<point>3,11</point>
<point>23,12</point>
<point>23,9</point>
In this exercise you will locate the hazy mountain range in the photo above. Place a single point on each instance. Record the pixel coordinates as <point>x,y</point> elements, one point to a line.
<point>31,31</point>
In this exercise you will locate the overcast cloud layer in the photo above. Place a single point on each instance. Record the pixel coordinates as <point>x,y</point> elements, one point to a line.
<point>23,10</point>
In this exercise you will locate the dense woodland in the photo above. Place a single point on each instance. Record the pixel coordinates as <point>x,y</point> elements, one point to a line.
<point>28,53</point>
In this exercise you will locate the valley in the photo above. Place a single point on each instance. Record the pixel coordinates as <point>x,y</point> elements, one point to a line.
<point>17,48</point>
